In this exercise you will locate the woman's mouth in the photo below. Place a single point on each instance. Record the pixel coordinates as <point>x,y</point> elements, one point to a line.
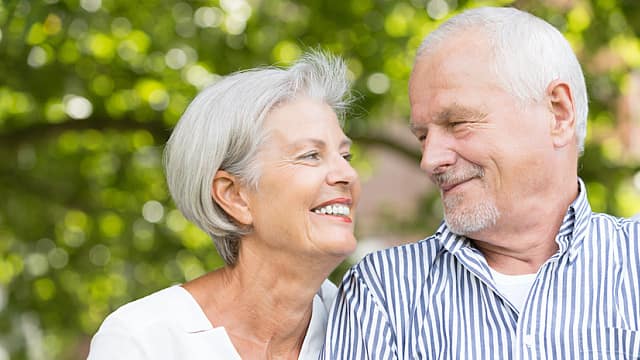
<point>339,210</point>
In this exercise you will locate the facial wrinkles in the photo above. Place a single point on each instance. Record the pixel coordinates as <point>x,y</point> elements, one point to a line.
<point>453,176</point>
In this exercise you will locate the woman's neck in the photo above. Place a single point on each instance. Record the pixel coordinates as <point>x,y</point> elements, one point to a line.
<point>264,305</point>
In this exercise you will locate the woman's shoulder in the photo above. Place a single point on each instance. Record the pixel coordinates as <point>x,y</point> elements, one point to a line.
<point>167,324</point>
<point>169,306</point>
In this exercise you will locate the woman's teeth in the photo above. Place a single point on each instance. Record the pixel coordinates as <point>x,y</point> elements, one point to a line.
<point>335,209</point>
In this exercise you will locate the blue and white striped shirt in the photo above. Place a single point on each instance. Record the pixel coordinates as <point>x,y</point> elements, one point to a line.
<point>436,299</point>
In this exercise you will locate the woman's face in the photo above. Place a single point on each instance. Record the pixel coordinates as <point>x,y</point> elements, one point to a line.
<point>307,192</point>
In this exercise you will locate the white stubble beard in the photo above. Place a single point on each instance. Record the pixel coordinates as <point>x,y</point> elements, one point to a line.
<point>465,220</point>
<point>461,218</point>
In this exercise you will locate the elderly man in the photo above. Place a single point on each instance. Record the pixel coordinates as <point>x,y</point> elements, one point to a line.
<point>521,267</point>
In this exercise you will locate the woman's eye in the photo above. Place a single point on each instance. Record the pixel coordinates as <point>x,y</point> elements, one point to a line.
<point>311,156</point>
<point>348,156</point>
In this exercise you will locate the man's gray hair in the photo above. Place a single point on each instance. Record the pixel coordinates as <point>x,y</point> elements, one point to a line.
<point>222,130</point>
<point>528,52</point>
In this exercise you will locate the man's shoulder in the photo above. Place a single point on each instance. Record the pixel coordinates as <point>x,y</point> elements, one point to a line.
<point>402,259</point>
<point>394,277</point>
<point>623,232</point>
<point>615,223</point>
<point>426,247</point>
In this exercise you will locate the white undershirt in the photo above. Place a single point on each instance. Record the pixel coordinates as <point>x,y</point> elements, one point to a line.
<point>514,287</point>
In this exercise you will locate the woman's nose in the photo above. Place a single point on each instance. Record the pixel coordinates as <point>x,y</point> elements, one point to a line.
<point>342,172</point>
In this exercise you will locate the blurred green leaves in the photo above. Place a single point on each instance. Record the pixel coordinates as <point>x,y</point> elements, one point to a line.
<point>89,90</point>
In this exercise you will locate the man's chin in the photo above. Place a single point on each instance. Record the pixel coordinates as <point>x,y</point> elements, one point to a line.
<point>481,217</point>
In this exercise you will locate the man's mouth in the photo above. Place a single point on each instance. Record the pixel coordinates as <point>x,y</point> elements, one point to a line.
<point>448,187</point>
<point>449,180</point>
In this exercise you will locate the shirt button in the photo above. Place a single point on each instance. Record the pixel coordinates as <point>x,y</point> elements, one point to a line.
<point>528,340</point>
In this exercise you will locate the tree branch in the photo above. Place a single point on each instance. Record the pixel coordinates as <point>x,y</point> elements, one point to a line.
<point>387,142</point>
<point>41,131</point>
<point>161,133</point>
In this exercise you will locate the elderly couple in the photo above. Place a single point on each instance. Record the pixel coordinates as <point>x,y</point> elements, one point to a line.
<point>520,267</point>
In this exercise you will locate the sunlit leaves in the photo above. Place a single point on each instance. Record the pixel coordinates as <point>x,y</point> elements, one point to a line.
<point>397,23</point>
<point>102,46</point>
<point>285,52</point>
<point>628,198</point>
<point>14,103</point>
<point>578,18</point>
<point>134,46</point>
<point>153,92</point>
<point>628,48</point>
<point>89,90</point>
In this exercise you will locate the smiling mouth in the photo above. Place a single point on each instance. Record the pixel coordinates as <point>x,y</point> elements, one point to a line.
<point>448,187</point>
<point>333,209</point>
<point>449,180</point>
<point>336,210</point>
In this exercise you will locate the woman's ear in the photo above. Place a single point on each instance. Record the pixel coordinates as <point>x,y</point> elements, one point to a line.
<point>228,192</point>
<point>561,104</point>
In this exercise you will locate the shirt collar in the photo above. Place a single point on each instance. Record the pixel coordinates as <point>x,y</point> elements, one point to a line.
<point>570,237</point>
<point>575,225</point>
<point>450,242</point>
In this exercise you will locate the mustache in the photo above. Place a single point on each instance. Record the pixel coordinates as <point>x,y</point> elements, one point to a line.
<point>456,176</point>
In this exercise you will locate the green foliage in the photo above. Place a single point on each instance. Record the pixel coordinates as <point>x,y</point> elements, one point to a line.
<point>89,90</point>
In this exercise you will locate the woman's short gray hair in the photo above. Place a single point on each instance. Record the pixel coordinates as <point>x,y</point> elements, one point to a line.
<point>529,54</point>
<point>222,129</point>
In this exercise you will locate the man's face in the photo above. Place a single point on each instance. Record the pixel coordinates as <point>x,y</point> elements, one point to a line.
<point>484,148</point>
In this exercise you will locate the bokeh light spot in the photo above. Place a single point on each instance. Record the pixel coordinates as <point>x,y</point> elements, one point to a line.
<point>208,17</point>
<point>91,5</point>
<point>437,9</point>
<point>378,83</point>
<point>37,57</point>
<point>100,255</point>
<point>152,211</point>
<point>286,52</point>
<point>111,225</point>
<point>36,264</point>
<point>44,288</point>
<point>77,107</point>
<point>58,258</point>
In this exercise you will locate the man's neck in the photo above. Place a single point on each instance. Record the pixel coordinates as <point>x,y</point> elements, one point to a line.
<point>521,244</point>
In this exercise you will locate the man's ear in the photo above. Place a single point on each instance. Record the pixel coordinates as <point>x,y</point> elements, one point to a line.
<point>228,192</point>
<point>561,105</point>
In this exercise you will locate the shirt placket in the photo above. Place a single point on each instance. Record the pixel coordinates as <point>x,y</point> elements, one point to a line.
<point>532,320</point>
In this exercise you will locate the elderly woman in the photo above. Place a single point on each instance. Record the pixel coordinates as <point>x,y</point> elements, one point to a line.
<point>258,161</point>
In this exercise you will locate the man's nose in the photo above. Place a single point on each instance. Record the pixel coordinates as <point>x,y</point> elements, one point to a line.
<point>437,153</point>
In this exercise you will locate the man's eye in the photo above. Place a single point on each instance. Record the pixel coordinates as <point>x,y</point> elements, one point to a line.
<point>459,127</point>
<point>348,156</point>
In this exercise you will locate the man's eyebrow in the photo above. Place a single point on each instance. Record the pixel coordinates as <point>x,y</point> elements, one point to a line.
<point>457,111</point>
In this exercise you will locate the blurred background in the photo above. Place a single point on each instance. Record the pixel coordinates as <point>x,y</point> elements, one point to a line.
<point>90,89</point>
